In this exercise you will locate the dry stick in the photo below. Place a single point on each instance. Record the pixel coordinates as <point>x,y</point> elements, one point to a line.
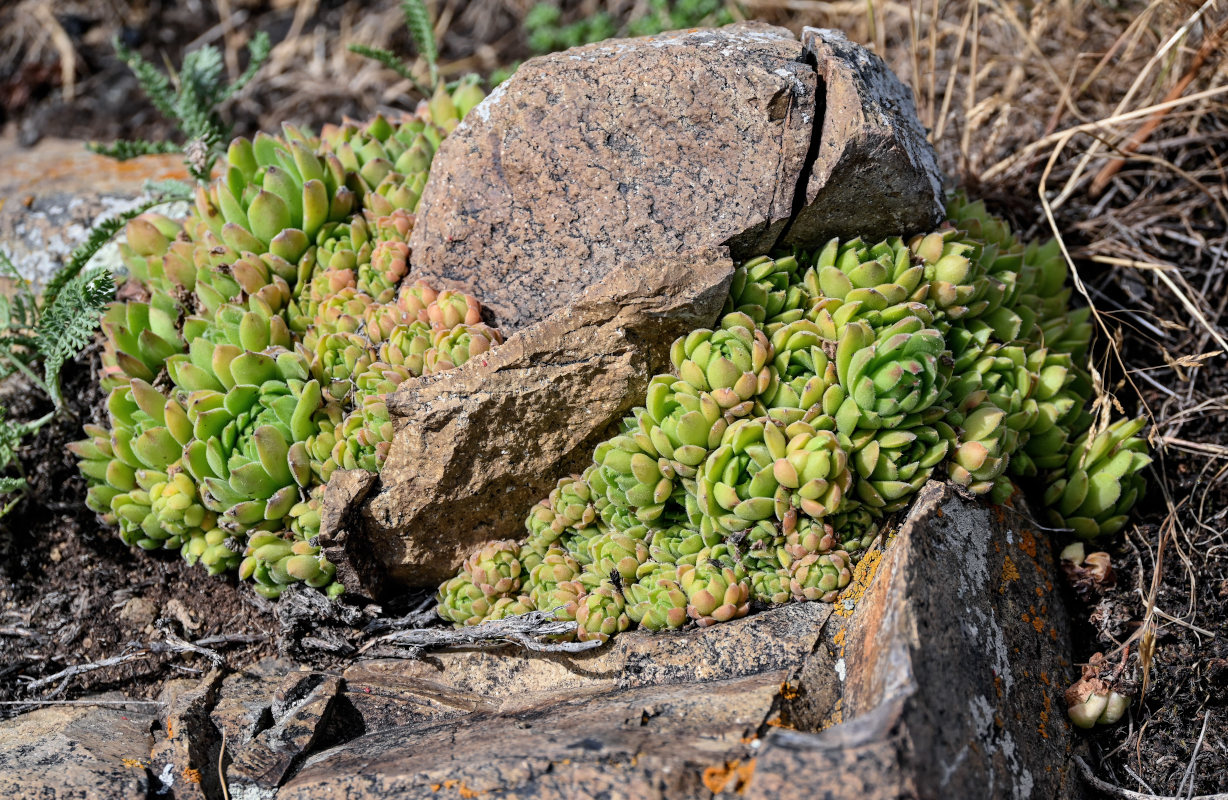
<point>1189,769</point>
<point>941,124</point>
<point>1030,150</point>
<point>1126,794</point>
<point>1209,46</point>
<point>173,644</point>
<point>221,776</point>
<point>1069,188</point>
<point>525,630</point>
<point>79,669</point>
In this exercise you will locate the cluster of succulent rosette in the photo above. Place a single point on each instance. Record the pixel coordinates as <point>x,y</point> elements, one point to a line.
<point>262,335</point>
<point>260,339</point>
<point>838,381</point>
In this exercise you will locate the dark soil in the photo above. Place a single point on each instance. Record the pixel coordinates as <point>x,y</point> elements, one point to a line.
<point>71,592</point>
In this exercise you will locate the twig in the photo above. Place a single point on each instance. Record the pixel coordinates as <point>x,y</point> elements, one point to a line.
<point>1029,151</point>
<point>1189,768</point>
<point>1210,45</point>
<point>238,638</point>
<point>81,703</point>
<point>1126,794</point>
<point>80,669</point>
<point>526,630</point>
<point>173,644</point>
<point>221,776</point>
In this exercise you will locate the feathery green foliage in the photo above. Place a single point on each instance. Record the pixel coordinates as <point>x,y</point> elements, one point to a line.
<point>418,21</point>
<point>18,317</point>
<point>190,98</point>
<point>11,434</point>
<point>68,323</point>
<point>126,149</point>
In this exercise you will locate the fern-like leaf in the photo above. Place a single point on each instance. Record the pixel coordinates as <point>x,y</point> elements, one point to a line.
<point>418,20</point>
<point>155,84</point>
<point>11,434</point>
<point>99,236</point>
<point>68,324</point>
<point>126,149</point>
<point>258,50</point>
<point>386,58</point>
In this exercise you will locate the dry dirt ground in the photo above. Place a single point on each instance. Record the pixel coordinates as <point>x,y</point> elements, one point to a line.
<point>1027,104</point>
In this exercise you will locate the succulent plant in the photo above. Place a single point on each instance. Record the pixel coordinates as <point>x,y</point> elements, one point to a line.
<point>714,593</point>
<point>656,600</point>
<point>274,321</point>
<point>270,326</point>
<point>601,613</point>
<point>1102,480</point>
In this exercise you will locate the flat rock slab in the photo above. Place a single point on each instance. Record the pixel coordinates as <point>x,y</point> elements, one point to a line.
<point>78,752</point>
<point>55,191</point>
<point>938,673</point>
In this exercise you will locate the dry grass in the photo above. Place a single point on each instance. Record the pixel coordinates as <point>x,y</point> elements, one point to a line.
<point>1103,124</point>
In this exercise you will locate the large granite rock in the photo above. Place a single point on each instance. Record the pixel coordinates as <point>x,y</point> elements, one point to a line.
<point>593,203</point>
<point>589,161</point>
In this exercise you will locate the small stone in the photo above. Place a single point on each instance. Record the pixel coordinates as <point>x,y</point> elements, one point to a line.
<point>138,612</point>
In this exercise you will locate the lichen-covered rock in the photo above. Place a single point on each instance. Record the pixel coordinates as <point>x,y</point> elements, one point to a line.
<point>82,752</point>
<point>57,189</point>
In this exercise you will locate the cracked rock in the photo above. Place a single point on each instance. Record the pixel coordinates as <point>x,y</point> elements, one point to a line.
<point>595,203</point>
<point>77,751</point>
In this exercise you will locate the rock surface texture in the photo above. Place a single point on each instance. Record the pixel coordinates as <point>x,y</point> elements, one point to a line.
<point>55,191</point>
<point>938,673</point>
<point>595,203</point>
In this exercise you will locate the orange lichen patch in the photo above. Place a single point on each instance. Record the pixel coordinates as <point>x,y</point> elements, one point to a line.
<point>1043,728</point>
<point>779,721</point>
<point>1053,633</point>
<point>863,574</point>
<point>135,763</point>
<point>170,729</point>
<point>465,791</point>
<point>938,513</point>
<point>997,685</point>
<point>733,776</point>
<point>997,720</point>
<point>1038,623</point>
<point>838,639</point>
<point>1009,573</point>
<point>191,775</point>
<point>999,514</point>
<point>1040,592</point>
<point>833,719</point>
<point>788,692</point>
<point>1044,678</point>
<point>1027,543</point>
